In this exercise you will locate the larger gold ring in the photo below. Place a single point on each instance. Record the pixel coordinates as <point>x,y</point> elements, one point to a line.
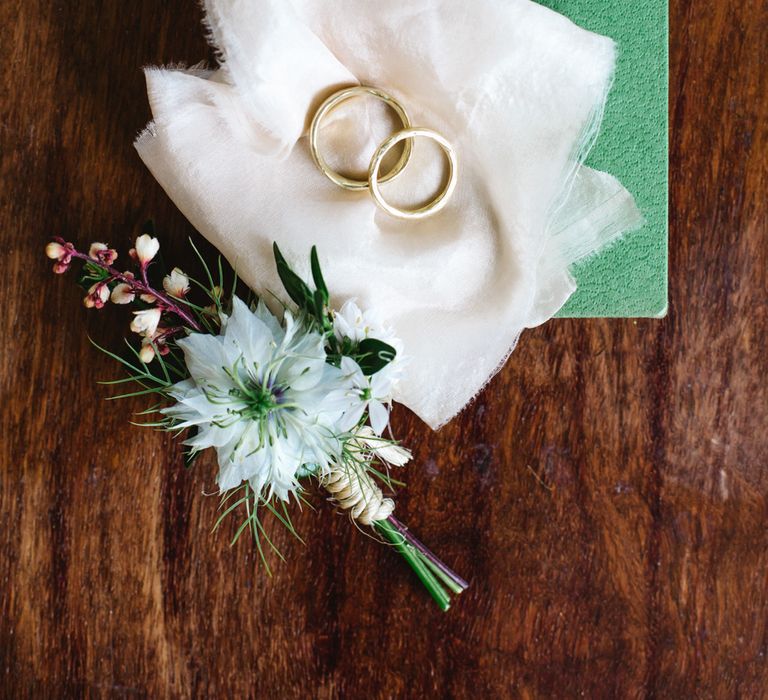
<point>334,101</point>
<point>438,202</point>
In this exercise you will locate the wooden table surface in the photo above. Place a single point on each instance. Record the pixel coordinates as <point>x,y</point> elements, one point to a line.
<point>606,494</point>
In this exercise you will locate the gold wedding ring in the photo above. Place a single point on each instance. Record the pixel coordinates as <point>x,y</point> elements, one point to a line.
<point>330,104</point>
<point>438,202</point>
<point>406,135</point>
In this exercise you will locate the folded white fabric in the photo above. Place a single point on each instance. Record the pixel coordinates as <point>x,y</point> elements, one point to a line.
<point>516,88</point>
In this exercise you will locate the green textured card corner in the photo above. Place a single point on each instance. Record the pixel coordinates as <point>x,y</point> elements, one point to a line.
<point>629,278</point>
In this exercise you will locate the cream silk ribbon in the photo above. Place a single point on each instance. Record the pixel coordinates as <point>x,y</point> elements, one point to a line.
<point>516,88</point>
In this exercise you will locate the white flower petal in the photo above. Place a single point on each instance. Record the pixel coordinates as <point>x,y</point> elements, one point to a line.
<point>206,359</point>
<point>230,475</point>
<point>379,416</point>
<point>122,294</point>
<point>248,334</point>
<point>266,317</point>
<point>352,416</point>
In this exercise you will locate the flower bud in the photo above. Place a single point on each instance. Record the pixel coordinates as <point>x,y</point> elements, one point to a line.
<point>177,283</point>
<point>97,296</point>
<point>146,248</point>
<point>62,253</point>
<point>55,251</point>
<point>122,294</point>
<point>103,253</point>
<point>147,352</point>
<point>145,322</point>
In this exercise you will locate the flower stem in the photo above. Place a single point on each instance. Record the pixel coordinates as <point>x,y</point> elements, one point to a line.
<point>142,287</point>
<point>412,556</point>
<point>455,582</point>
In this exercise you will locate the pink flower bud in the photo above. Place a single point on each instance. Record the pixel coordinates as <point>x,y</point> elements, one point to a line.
<point>146,248</point>
<point>103,253</point>
<point>97,296</point>
<point>122,294</point>
<point>177,283</point>
<point>151,345</point>
<point>55,251</point>
<point>147,353</point>
<point>149,298</point>
<point>62,253</point>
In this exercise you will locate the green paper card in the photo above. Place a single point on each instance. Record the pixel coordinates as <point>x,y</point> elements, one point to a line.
<point>629,278</point>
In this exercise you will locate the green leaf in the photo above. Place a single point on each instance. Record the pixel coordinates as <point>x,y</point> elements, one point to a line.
<point>373,355</point>
<point>294,285</point>
<point>317,275</point>
<point>319,307</point>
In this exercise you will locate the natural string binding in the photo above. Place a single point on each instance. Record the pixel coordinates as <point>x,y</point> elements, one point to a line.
<point>358,494</point>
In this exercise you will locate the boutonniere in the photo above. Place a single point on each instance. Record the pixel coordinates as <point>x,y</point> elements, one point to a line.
<point>285,393</point>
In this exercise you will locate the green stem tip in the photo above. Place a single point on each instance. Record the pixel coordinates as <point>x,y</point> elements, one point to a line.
<point>433,574</point>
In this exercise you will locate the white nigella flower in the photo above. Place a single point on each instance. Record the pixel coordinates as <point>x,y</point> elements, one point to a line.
<point>145,322</point>
<point>372,393</point>
<point>264,397</point>
<point>177,283</point>
<point>146,248</point>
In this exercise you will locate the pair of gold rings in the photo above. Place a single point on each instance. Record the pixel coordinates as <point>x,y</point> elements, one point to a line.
<point>375,178</point>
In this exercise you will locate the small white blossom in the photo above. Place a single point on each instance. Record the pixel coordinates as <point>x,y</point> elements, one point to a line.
<point>177,283</point>
<point>350,321</point>
<point>146,248</point>
<point>145,322</point>
<point>122,294</point>
<point>371,393</point>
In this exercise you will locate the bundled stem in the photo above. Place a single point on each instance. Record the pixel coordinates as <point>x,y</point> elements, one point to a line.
<point>355,491</point>
<point>432,572</point>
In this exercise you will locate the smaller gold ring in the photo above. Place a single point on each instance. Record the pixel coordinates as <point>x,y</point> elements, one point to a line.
<point>436,204</point>
<point>334,101</point>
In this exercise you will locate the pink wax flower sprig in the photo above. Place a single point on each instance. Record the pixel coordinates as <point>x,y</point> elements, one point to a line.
<point>125,287</point>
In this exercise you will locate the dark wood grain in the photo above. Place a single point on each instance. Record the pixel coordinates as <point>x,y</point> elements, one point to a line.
<point>606,494</point>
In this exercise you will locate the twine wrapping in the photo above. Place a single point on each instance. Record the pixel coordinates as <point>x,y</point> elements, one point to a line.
<point>358,494</point>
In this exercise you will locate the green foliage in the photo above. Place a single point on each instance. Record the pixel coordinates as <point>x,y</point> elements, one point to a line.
<point>371,354</point>
<point>90,275</point>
